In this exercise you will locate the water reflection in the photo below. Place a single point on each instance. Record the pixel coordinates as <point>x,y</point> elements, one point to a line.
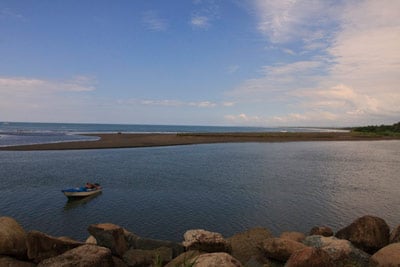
<point>76,202</point>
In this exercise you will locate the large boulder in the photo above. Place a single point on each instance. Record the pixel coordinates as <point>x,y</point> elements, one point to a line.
<point>206,241</point>
<point>321,230</point>
<point>6,261</point>
<point>140,257</point>
<point>110,236</point>
<point>220,259</point>
<point>187,258</point>
<point>342,252</point>
<point>248,244</point>
<point>42,246</point>
<point>12,238</point>
<point>395,235</point>
<point>386,257</point>
<point>281,249</point>
<point>310,257</point>
<point>83,256</point>
<point>295,236</point>
<point>368,233</point>
<point>137,242</point>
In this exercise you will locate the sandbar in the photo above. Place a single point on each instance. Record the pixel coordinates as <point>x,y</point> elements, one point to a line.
<point>130,140</point>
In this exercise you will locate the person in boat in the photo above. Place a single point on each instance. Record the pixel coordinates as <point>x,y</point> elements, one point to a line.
<point>90,186</point>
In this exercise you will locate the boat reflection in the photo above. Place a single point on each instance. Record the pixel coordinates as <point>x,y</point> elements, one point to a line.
<point>76,202</point>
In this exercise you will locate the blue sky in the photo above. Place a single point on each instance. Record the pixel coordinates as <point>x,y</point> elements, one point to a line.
<point>201,62</point>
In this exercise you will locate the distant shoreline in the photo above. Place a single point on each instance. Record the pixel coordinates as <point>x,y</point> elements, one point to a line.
<point>130,140</point>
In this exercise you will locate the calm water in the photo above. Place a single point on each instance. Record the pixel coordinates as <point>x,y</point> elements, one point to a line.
<point>162,192</point>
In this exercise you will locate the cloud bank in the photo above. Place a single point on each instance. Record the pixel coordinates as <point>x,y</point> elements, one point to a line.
<point>354,79</point>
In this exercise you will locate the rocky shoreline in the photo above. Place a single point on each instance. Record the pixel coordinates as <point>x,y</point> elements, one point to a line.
<point>367,241</point>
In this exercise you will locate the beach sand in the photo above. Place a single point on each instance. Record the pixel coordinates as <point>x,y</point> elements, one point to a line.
<point>122,140</point>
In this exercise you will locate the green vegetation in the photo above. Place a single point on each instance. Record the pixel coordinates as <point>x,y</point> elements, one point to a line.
<point>379,130</point>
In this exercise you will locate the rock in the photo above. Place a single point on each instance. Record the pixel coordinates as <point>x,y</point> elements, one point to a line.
<point>367,233</point>
<point>219,259</point>
<point>342,252</point>
<point>91,240</point>
<point>321,230</point>
<point>248,245</point>
<point>395,235</point>
<point>110,236</point>
<point>82,256</point>
<point>386,257</point>
<point>295,236</point>
<point>117,262</point>
<point>6,261</point>
<point>310,257</point>
<point>205,241</point>
<point>41,246</point>
<point>140,257</point>
<point>12,238</point>
<point>280,249</point>
<point>136,242</point>
<point>185,259</point>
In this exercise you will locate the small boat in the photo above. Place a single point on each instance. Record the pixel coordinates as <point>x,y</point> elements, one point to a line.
<point>84,191</point>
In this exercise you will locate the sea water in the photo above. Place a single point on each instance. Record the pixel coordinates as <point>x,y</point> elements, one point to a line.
<point>161,192</point>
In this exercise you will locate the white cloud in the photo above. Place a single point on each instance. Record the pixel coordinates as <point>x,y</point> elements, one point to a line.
<point>174,103</point>
<point>288,20</point>
<point>33,99</point>
<point>242,118</point>
<point>228,104</point>
<point>278,79</point>
<point>206,12</point>
<point>203,104</point>
<point>37,86</point>
<point>353,81</point>
<point>200,21</point>
<point>154,22</point>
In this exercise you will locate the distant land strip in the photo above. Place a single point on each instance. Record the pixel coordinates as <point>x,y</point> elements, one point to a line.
<point>129,140</point>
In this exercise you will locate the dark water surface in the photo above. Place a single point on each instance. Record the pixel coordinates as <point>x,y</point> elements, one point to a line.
<point>162,192</point>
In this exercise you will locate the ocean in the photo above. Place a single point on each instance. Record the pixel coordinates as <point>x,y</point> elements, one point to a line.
<point>160,192</point>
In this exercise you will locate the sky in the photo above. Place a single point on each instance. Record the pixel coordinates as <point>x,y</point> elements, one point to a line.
<point>201,62</point>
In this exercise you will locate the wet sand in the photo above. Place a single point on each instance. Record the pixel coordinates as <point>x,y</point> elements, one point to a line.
<point>122,140</point>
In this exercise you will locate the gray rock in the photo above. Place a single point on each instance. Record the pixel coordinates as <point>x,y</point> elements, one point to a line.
<point>110,236</point>
<point>368,233</point>
<point>185,259</point>
<point>281,249</point>
<point>83,256</point>
<point>12,238</point>
<point>248,245</point>
<point>42,246</point>
<point>140,257</point>
<point>206,241</point>
<point>136,242</point>
<point>219,259</point>
<point>342,252</point>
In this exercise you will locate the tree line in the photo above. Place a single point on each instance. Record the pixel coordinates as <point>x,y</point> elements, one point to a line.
<point>379,129</point>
